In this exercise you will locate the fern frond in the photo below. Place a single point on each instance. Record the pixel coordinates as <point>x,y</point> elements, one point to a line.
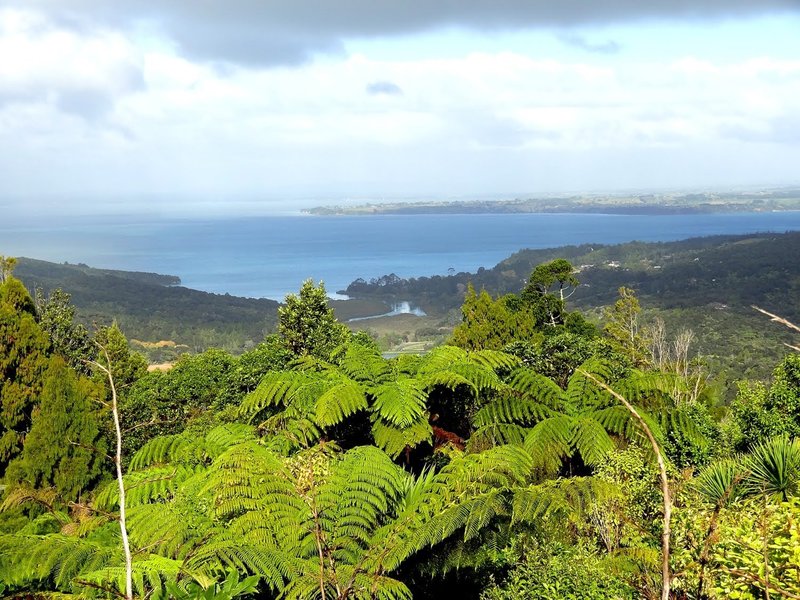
<point>550,441</point>
<point>495,359</point>
<point>150,576</point>
<point>393,440</point>
<point>496,434</point>
<point>591,440</point>
<point>569,498</point>
<point>141,487</point>
<point>400,402</point>
<point>282,388</point>
<point>168,449</point>
<point>365,365</point>
<point>339,401</point>
<point>524,411</point>
<point>538,387</point>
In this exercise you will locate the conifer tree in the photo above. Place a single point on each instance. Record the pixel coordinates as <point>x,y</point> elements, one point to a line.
<point>65,448</point>
<point>23,360</point>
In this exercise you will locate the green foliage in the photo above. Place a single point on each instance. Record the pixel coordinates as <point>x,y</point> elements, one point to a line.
<point>399,395</point>
<point>622,327</point>
<point>67,338</point>
<point>65,447</point>
<point>554,571</point>
<point>23,361</point>
<point>761,412</point>
<point>774,468</point>
<point>490,324</point>
<point>308,325</point>
<point>758,549</point>
<point>126,366</point>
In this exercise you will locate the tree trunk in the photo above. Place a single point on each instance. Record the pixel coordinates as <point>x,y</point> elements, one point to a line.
<point>665,572</point>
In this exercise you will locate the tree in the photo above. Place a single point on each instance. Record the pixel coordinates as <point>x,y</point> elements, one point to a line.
<point>69,339</point>
<point>623,328</point>
<point>548,288</point>
<point>24,349</point>
<point>406,399</point>
<point>761,411</point>
<point>488,324</point>
<point>308,325</point>
<point>7,265</point>
<point>65,448</point>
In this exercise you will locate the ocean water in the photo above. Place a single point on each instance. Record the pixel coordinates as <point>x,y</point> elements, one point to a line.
<point>271,256</point>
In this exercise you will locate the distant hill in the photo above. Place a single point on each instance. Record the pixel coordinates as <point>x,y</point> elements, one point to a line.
<point>630,204</point>
<point>152,307</point>
<point>706,284</point>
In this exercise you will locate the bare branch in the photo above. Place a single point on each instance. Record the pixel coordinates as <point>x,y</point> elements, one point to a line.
<point>777,319</point>
<point>666,578</point>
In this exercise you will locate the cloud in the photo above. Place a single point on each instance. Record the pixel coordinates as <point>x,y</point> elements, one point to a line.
<point>293,31</point>
<point>384,88</point>
<point>80,73</point>
<point>580,42</point>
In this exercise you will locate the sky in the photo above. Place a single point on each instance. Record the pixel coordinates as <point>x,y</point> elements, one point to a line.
<point>270,105</point>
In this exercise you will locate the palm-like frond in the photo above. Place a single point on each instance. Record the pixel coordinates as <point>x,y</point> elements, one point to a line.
<point>721,482</point>
<point>774,468</point>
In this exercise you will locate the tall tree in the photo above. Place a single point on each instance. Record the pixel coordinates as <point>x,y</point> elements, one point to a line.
<point>69,339</point>
<point>23,361</point>
<point>65,448</point>
<point>308,325</point>
<point>549,286</point>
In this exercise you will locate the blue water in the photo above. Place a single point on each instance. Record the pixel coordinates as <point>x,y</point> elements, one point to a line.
<point>271,256</point>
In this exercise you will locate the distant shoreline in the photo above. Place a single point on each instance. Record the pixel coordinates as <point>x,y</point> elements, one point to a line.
<point>632,205</point>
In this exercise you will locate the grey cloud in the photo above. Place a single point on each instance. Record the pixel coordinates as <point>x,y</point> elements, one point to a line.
<point>384,88</point>
<point>293,31</point>
<point>577,41</point>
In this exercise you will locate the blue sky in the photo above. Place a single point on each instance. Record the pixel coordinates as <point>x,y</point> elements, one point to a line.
<point>265,106</point>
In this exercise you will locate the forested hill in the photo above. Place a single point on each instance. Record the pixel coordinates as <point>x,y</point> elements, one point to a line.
<point>706,284</point>
<point>152,307</point>
<point>741,270</point>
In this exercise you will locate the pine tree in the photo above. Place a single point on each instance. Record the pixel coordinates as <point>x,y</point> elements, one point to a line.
<point>65,448</point>
<point>23,360</point>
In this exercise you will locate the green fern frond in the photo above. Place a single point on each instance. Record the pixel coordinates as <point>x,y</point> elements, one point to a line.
<point>496,434</point>
<point>584,394</point>
<point>441,358</point>
<point>365,365</point>
<point>166,529</point>
<point>550,441</point>
<point>401,402</point>
<point>591,440</point>
<point>448,379</point>
<point>495,360</point>
<point>150,576</point>
<point>569,498</point>
<point>282,388</point>
<point>524,411</point>
<point>393,440</point>
<point>339,401</point>
<point>168,449</point>
<point>538,387</point>
<point>146,485</point>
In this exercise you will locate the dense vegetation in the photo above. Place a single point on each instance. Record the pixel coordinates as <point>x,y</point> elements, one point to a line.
<point>539,455</point>
<point>707,284</point>
<point>154,308</point>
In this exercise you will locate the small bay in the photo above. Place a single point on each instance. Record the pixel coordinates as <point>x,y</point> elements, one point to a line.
<point>269,256</point>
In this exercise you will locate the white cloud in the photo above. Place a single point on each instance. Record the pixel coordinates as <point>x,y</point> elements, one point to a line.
<point>104,110</point>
